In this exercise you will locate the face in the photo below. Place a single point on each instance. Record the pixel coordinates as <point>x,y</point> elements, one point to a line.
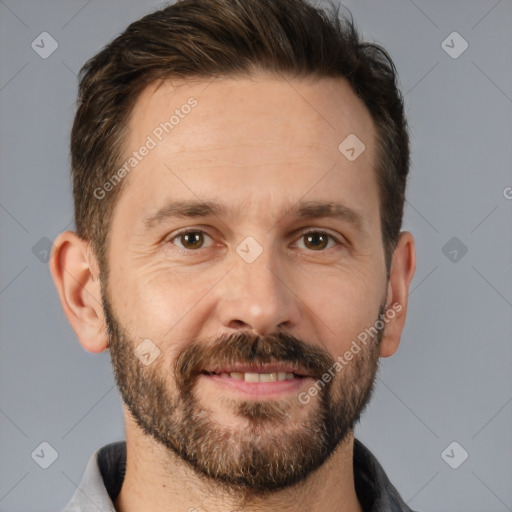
<point>245,258</point>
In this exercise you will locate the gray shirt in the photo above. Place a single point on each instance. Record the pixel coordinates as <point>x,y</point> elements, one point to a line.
<point>105,471</point>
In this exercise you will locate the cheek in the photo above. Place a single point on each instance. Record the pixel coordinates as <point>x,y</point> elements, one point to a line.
<point>161,302</point>
<point>344,306</point>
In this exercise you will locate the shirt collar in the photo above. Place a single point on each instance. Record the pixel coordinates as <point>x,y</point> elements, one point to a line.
<point>105,471</point>
<point>374,490</point>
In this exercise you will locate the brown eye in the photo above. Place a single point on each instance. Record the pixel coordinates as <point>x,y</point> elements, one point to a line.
<point>317,240</point>
<point>190,240</point>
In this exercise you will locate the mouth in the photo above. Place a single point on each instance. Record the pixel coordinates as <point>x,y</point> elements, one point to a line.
<point>257,377</point>
<point>270,380</point>
<point>269,372</point>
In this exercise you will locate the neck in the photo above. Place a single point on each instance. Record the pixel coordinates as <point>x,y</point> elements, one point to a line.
<point>158,481</point>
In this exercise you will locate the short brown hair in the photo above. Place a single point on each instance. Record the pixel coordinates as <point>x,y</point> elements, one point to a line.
<point>211,38</point>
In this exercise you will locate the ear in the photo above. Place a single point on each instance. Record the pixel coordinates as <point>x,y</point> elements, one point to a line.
<point>76,275</point>
<point>402,270</point>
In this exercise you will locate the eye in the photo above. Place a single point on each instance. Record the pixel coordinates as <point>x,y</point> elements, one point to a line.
<point>194,239</point>
<point>318,240</point>
<point>191,239</point>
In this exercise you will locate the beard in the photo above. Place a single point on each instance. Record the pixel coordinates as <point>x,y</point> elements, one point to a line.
<point>273,450</point>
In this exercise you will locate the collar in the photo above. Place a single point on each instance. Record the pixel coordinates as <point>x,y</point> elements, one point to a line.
<point>105,471</point>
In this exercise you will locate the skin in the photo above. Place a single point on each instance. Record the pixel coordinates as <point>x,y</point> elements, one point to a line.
<point>261,145</point>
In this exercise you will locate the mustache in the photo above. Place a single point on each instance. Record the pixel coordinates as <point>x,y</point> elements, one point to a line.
<point>247,347</point>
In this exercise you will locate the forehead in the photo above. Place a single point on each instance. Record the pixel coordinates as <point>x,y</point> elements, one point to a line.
<point>235,108</point>
<point>261,138</point>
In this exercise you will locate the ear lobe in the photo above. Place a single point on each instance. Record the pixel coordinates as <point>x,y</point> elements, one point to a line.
<point>76,275</point>
<point>402,271</point>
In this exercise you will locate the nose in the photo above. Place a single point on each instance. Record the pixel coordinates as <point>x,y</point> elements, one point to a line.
<point>258,296</point>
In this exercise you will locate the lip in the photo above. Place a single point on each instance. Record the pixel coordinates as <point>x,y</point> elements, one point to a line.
<point>260,390</point>
<point>258,368</point>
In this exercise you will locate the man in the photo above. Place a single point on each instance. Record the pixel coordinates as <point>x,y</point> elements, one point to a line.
<point>239,172</point>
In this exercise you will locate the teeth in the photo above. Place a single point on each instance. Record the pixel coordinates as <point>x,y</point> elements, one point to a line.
<point>259,377</point>
<point>263,377</point>
<point>251,377</point>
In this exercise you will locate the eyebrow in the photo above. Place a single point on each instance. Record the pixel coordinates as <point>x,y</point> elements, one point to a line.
<point>303,210</point>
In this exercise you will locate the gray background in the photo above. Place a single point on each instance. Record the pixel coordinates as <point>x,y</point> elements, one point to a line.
<point>451,379</point>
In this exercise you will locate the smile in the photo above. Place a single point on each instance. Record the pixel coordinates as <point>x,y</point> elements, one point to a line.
<point>258,377</point>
